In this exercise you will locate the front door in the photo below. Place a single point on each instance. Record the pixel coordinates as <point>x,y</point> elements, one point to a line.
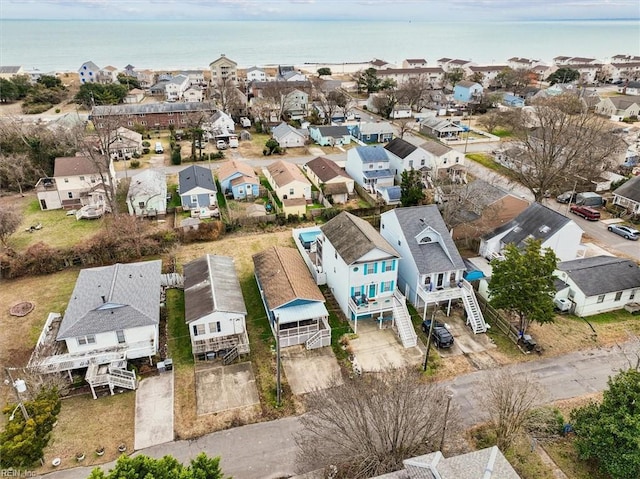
<point>440,280</point>
<point>372,291</point>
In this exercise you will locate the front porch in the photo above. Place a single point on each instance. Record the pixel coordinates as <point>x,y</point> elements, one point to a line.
<point>220,346</point>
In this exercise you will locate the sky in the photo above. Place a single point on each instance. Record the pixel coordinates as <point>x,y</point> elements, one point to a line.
<point>403,10</point>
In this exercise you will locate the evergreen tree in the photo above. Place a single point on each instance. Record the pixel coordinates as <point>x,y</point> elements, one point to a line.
<point>411,192</point>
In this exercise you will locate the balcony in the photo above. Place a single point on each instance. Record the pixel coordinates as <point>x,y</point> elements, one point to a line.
<point>362,306</point>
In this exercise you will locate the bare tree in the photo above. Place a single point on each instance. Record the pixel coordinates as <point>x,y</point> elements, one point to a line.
<point>9,222</point>
<point>277,94</point>
<point>18,170</point>
<point>559,142</point>
<point>369,425</point>
<point>227,97</point>
<point>404,126</point>
<point>414,92</point>
<point>508,398</point>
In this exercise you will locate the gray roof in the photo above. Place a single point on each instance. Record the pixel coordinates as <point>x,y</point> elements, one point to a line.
<point>436,256</point>
<point>630,189</point>
<point>112,298</point>
<point>179,79</point>
<point>9,70</point>
<point>401,148</point>
<point>373,128</point>
<point>537,221</point>
<point>282,129</point>
<point>194,176</point>
<point>393,192</point>
<point>440,124</point>
<point>332,131</point>
<point>353,237</point>
<point>150,108</point>
<point>435,148</point>
<point>148,183</point>
<point>370,174</point>
<point>372,154</point>
<point>211,285</point>
<point>602,274</point>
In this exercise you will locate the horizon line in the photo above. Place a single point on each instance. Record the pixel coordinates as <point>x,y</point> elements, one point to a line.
<point>347,20</point>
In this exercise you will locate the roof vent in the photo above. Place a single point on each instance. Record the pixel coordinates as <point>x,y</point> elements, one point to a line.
<point>545,229</point>
<point>104,299</point>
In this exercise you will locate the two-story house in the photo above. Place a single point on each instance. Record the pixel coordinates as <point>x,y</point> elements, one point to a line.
<point>369,167</point>
<point>431,268</point>
<point>467,91</point>
<point>334,182</point>
<point>406,156</point>
<point>175,88</point>
<point>239,179</point>
<point>290,186</point>
<point>88,72</point>
<point>445,160</point>
<point>256,74</point>
<point>361,270</point>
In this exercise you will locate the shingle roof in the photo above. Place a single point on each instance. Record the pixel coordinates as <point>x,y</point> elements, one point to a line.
<point>148,183</point>
<point>466,84</point>
<point>630,189</point>
<point>231,167</point>
<point>75,165</point>
<point>282,129</point>
<point>376,128</point>
<point>372,154</point>
<point>284,173</point>
<point>353,237</point>
<point>401,148</point>
<point>194,176</point>
<point>435,148</point>
<point>284,277</point>
<point>393,193</point>
<point>429,257</point>
<point>335,189</point>
<point>332,131</point>
<point>602,274</point>
<point>211,285</point>
<point>9,70</point>
<point>111,298</point>
<point>370,174</point>
<point>537,221</point>
<point>326,169</point>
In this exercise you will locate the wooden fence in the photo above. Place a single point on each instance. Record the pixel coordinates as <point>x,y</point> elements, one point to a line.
<point>495,318</point>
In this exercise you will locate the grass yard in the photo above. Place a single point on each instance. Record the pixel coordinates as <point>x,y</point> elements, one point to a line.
<point>58,229</point>
<point>85,423</point>
<point>487,161</point>
<point>565,456</point>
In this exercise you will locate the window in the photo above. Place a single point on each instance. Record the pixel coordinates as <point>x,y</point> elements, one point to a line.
<point>194,198</point>
<point>618,296</point>
<point>422,162</point>
<point>388,266</point>
<point>371,166</point>
<point>444,161</point>
<point>457,159</point>
<point>601,298</point>
<point>399,243</point>
<point>129,123</point>
<point>386,286</point>
<point>84,340</point>
<point>632,294</point>
<point>198,329</point>
<point>410,163</point>
<point>141,205</point>
<point>172,121</point>
<point>120,335</point>
<point>214,327</point>
<point>82,178</point>
<point>66,180</point>
<point>70,194</point>
<point>291,191</point>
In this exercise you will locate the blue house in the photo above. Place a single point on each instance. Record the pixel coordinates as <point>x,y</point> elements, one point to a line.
<point>239,179</point>
<point>512,100</point>
<point>369,167</point>
<point>379,132</point>
<point>197,188</point>
<point>330,135</point>
<point>466,91</point>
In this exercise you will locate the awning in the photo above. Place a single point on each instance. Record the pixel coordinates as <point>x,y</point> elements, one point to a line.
<point>301,312</point>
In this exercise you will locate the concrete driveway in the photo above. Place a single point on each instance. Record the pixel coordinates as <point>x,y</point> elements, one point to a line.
<point>154,411</point>
<point>219,388</point>
<point>309,371</point>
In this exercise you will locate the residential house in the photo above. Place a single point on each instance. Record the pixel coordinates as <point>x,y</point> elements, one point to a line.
<point>598,284</point>
<point>619,107</point>
<point>238,178</point>
<point>124,144</point>
<point>108,74</point>
<point>440,128</point>
<point>220,124</point>
<point>362,272</point>
<point>431,269</point>
<point>145,77</point>
<point>628,195</point>
<point>293,302</point>
<point>296,104</point>
<point>196,77</point>
<point>330,135</point>
<point>77,181</point>
<point>369,167</point>
<point>379,64</point>
<point>288,136</point>
<point>486,75</point>
<point>193,94</point>
<point>7,72</point>
<point>556,231</point>
<point>159,88</point>
<point>631,88</point>
<point>391,195</point>
<point>147,195</point>
<point>197,188</point>
<point>134,96</point>
<point>175,88</point>
<point>112,316</point>
<point>288,183</point>
<point>448,65</point>
<point>433,76</point>
<point>256,74</point>
<point>214,308</point>
<point>621,70</point>
<point>295,76</point>
<point>152,115</point>
<point>406,156</point>
<point>512,100</point>
<point>88,72</point>
<point>223,69</point>
<point>381,132</point>
<point>332,180</point>
<point>467,91</point>
<point>445,160</point>
<point>401,111</point>
<point>414,63</point>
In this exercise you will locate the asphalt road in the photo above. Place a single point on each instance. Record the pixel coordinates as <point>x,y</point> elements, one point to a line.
<point>267,450</point>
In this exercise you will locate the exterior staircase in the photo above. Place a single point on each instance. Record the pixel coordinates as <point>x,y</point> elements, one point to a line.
<point>113,375</point>
<point>316,341</point>
<point>231,356</point>
<point>471,306</point>
<point>402,320</point>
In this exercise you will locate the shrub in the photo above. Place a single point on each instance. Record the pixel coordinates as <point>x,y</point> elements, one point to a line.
<point>146,144</point>
<point>136,155</point>
<point>57,110</point>
<point>176,157</point>
<point>134,164</point>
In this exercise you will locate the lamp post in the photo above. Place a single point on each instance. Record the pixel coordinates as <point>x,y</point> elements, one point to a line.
<point>20,387</point>
<point>449,396</point>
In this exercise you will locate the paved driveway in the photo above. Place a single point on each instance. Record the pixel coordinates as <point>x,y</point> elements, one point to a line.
<point>154,411</point>
<point>309,371</point>
<point>219,388</point>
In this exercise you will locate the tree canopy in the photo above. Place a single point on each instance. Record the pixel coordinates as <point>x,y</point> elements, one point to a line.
<point>563,75</point>
<point>411,192</point>
<point>522,282</point>
<point>324,71</point>
<point>91,94</point>
<point>609,433</point>
<point>202,467</point>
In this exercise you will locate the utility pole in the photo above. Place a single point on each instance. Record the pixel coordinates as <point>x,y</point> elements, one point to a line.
<point>449,395</point>
<point>433,320</point>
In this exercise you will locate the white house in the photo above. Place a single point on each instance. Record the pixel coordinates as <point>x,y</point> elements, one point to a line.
<point>431,268</point>
<point>598,284</point>
<point>293,302</point>
<point>220,123</point>
<point>256,74</point>
<point>288,136</point>
<point>628,195</point>
<point>406,156</point>
<point>556,231</point>
<point>88,72</point>
<point>175,87</point>
<point>296,104</point>
<point>193,94</point>
<point>445,160</point>
<point>214,308</point>
<point>147,195</point>
<point>223,69</point>
<point>287,181</point>
<point>369,167</point>
<point>108,74</point>
<point>124,143</point>
<point>362,272</point>
<point>328,177</point>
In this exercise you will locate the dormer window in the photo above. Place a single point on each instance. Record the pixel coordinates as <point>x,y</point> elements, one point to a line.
<point>425,240</point>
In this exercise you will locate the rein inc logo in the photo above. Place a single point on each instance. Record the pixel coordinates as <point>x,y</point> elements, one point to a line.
<point>16,473</point>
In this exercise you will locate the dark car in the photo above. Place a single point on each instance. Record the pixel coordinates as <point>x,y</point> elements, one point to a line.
<point>440,334</point>
<point>566,197</point>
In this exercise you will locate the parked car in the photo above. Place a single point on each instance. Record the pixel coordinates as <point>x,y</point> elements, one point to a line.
<point>159,149</point>
<point>440,334</point>
<point>586,212</point>
<point>627,232</point>
<point>221,145</point>
<point>566,197</point>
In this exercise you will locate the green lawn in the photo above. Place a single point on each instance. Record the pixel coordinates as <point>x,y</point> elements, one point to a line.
<point>178,337</point>
<point>565,456</point>
<point>487,161</point>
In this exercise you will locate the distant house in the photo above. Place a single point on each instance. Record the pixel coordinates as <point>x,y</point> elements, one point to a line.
<point>220,123</point>
<point>414,63</point>
<point>288,182</point>
<point>619,107</point>
<point>406,156</point>
<point>88,72</point>
<point>401,111</point>
<point>238,178</point>
<point>147,195</point>
<point>197,188</point>
<point>77,181</point>
<point>556,231</point>
<point>124,144</point>
<point>296,104</point>
<point>369,167</point>
<point>466,91</point>
<point>193,94</point>
<point>440,128</point>
<point>134,96</point>
<point>293,302</point>
<point>598,284</point>
<point>8,72</point>
<point>288,136</point>
<point>175,88</point>
<point>628,195</point>
<point>330,135</point>
<point>381,132</point>
<point>223,69</point>
<point>512,100</point>
<point>214,308</point>
<point>196,77</point>
<point>334,182</point>
<point>256,74</point>
<point>108,74</point>
<point>152,115</point>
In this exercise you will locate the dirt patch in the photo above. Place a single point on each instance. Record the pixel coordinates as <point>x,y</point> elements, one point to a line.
<point>21,309</point>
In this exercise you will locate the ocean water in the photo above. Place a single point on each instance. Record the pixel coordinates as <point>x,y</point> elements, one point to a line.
<point>65,45</point>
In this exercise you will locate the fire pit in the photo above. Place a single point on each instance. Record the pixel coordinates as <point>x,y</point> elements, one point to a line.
<point>21,309</point>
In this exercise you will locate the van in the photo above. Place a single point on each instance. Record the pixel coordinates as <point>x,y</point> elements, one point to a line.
<point>159,149</point>
<point>586,212</point>
<point>594,200</point>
